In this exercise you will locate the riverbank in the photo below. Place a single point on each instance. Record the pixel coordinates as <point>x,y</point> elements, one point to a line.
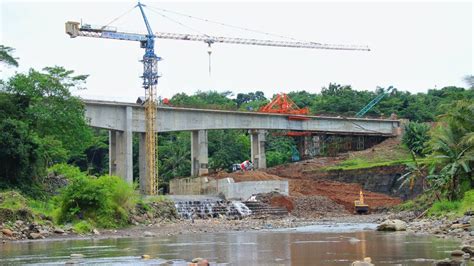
<point>35,232</point>
<point>461,228</point>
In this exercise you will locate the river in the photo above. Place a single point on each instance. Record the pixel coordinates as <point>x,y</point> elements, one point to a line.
<point>311,245</point>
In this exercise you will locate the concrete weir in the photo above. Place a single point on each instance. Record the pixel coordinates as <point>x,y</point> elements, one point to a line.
<point>124,119</point>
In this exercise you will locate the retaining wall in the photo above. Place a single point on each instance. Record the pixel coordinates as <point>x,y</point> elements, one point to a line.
<point>226,187</point>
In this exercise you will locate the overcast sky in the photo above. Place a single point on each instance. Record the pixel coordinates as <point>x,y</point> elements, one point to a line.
<point>415,46</point>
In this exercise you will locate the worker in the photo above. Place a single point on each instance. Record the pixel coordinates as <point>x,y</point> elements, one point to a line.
<point>246,165</point>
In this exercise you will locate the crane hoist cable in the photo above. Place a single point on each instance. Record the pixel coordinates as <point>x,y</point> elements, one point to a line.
<point>225,24</point>
<point>119,17</point>
<point>209,43</point>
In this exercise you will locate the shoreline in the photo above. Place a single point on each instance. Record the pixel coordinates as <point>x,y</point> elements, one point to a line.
<point>254,224</point>
<point>214,225</point>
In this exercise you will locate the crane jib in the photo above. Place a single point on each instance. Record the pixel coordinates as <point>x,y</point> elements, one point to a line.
<point>123,36</point>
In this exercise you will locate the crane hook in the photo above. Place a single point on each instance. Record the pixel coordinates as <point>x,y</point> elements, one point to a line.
<point>209,51</point>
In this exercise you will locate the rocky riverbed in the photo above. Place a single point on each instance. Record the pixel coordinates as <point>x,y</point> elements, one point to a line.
<point>21,230</point>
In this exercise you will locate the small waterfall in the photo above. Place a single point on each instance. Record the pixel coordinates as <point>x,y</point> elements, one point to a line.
<point>241,209</point>
<point>210,208</point>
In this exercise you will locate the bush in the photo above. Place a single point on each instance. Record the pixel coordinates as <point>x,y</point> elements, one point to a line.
<point>83,227</point>
<point>467,203</point>
<point>13,206</point>
<point>416,137</point>
<point>105,201</point>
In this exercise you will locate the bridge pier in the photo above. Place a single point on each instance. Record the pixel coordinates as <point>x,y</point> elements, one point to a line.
<point>120,155</point>
<point>142,164</point>
<point>257,148</point>
<point>199,153</point>
<point>120,150</point>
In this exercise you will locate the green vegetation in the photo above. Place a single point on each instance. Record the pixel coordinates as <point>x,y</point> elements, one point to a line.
<point>354,164</point>
<point>13,206</point>
<point>416,136</point>
<point>106,200</point>
<point>6,56</point>
<point>453,208</point>
<point>452,149</point>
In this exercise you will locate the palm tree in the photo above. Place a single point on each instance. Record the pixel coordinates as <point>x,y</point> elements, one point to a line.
<point>452,148</point>
<point>6,57</point>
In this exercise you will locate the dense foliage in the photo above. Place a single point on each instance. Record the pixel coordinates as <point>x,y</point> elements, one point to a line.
<point>105,201</point>
<point>416,136</point>
<point>452,149</point>
<point>42,124</point>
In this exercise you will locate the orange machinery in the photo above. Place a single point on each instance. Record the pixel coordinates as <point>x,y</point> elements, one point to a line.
<point>282,104</point>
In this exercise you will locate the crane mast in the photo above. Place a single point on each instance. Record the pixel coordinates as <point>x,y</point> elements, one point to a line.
<point>150,81</point>
<point>150,70</point>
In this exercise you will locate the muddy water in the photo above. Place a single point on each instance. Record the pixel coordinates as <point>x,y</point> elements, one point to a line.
<point>314,245</point>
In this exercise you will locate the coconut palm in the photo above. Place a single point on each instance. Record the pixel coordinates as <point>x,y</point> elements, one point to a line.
<point>452,149</point>
<point>6,57</point>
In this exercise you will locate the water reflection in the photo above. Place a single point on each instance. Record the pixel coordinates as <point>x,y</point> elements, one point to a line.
<point>240,248</point>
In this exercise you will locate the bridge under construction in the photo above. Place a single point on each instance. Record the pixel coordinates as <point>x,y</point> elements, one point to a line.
<point>124,119</point>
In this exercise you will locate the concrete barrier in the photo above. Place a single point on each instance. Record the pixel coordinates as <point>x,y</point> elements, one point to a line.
<point>244,190</point>
<point>226,187</point>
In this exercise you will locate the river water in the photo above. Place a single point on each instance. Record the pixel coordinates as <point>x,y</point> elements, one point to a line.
<point>312,245</point>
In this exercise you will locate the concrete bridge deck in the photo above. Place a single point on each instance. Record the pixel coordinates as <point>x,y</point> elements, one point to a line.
<point>114,115</point>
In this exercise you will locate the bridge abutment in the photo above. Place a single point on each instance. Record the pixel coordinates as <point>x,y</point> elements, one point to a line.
<point>199,153</point>
<point>257,148</point>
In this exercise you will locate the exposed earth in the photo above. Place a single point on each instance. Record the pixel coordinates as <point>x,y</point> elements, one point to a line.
<point>312,195</point>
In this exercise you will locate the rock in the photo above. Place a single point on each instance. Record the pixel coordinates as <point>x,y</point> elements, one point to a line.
<point>19,223</point>
<point>447,262</point>
<point>471,233</point>
<point>58,231</point>
<point>146,257</point>
<point>366,262</point>
<point>468,249</point>
<point>44,232</point>
<point>457,253</point>
<point>7,232</point>
<point>34,235</point>
<point>392,225</point>
<point>148,234</point>
<point>466,256</point>
<point>196,260</point>
<point>200,261</point>
<point>459,226</point>
<point>96,232</point>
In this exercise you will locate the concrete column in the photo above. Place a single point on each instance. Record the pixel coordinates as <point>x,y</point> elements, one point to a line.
<point>112,152</point>
<point>142,163</point>
<point>120,150</point>
<point>257,148</point>
<point>199,153</point>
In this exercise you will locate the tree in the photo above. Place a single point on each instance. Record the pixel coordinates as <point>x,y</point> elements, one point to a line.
<point>51,110</point>
<point>452,149</point>
<point>6,57</point>
<point>19,152</point>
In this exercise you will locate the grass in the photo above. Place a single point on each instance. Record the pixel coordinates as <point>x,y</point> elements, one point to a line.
<point>445,208</point>
<point>453,208</point>
<point>12,200</point>
<point>358,163</point>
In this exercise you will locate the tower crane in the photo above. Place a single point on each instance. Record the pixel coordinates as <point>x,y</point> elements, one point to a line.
<point>150,70</point>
